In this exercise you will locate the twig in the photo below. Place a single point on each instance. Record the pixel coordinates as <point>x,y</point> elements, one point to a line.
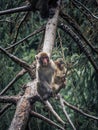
<point>5,108</point>
<point>32,34</point>
<point>5,20</point>
<point>80,44</point>
<point>47,103</point>
<point>39,116</point>
<point>81,9</point>
<point>23,19</point>
<point>73,23</point>
<point>86,9</point>
<point>79,110</point>
<point>17,60</point>
<point>65,112</point>
<point>21,73</point>
<point>60,39</point>
<point>16,10</point>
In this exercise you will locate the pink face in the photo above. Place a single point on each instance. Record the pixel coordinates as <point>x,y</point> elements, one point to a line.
<point>45,61</point>
<point>42,58</point>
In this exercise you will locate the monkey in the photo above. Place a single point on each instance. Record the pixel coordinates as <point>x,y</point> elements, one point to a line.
<point>45,70</point>
<point>50,75</point>
<point>59,79</point>
<point>45,7</point>
<point>45,65</point>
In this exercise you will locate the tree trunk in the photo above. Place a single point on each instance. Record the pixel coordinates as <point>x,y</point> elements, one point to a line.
<point>23,108</point>
<point>50,32</point>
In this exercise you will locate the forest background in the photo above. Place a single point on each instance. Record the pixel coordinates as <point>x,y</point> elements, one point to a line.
<point>81,60</point>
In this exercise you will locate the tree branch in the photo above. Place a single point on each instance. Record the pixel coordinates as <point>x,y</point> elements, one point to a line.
<point>23,108</point>
<point>17,60</point>
<point>49,106</point>
<point>6,20</point>
<point>51,31</point>
<point>16,10</point>
<point>20,74</point>
<point>79,110</point>
<point>88,12</point>
<point>5,108</point>
<point>65,112</point>
<point>73,23</point>
<point>39,116</point>
<point>23,19</point>
<point>9,99</point>
<point>80,44</point>
<point>32,34</point>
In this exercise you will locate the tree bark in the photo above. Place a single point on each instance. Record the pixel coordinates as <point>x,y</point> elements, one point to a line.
<point>23,108</point>
<point>50,32</point>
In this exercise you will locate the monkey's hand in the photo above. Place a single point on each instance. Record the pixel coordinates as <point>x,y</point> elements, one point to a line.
<point>63,80</point>
<point>44,90</point>
<point>60,80</point>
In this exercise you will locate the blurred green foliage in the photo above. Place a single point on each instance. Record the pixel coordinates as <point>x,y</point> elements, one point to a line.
<point>82,82</point>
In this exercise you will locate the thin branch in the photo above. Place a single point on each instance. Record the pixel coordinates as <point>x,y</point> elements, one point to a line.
<point>86,9</point>
<point>79,110</point>
<point>23,19</point>
<point>60,40</point>
<point>32,34</point>
<point>81,9</point>
<point>5,20</point>
<point>80,44</point>
<point>39,116</point>
<point>5,108</point>
<point>9,99</point>
<point>49,106</point>
<point>73,23</point>
<point>20,74</point>
<point>17,60</point>
<point>16,10</point>
<point>65,112</point>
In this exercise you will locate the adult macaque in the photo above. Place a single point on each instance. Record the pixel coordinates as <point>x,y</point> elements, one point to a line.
<point>45,70</point>
<point>45,7</point>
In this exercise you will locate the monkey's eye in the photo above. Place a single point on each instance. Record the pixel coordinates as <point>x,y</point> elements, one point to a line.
<point>47,58</point>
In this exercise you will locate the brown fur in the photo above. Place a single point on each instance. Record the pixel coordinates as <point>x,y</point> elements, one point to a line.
<point>59,75</point>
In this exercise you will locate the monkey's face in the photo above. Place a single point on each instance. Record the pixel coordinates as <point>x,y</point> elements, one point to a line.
<point>60,64</point>
<point>43,59</point>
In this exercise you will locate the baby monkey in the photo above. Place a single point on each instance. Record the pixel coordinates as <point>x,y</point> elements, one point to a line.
<point>59,79</point>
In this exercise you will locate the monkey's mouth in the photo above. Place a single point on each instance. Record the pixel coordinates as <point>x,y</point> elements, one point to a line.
<point>44,64</point>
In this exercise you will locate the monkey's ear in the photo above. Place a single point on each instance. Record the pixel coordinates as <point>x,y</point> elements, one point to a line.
<point>36,57</point>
